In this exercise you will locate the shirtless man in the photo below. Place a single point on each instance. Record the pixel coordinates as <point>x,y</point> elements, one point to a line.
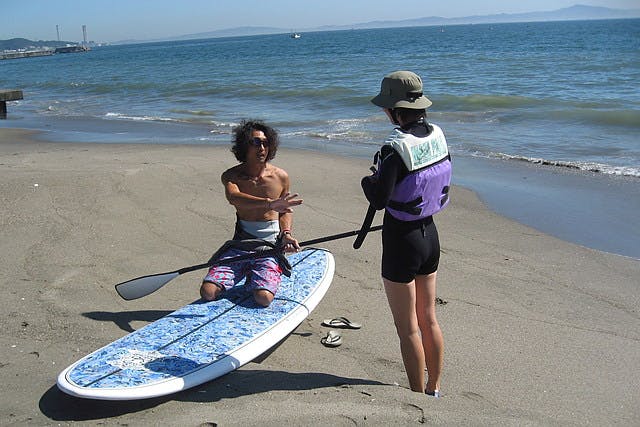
<point>264,207</point>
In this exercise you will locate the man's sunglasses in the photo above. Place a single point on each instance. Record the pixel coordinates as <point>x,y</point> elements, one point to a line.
<point>257,142</point>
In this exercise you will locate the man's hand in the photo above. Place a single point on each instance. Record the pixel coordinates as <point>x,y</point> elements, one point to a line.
<point>285,203</point>
<point>289,243</point>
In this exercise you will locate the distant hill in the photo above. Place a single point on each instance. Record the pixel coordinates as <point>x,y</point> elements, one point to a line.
<point>577,12</point>
<point>19,43</point>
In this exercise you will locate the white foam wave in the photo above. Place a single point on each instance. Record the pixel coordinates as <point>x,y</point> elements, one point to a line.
<point>140,118</point>
<point>583,166</point>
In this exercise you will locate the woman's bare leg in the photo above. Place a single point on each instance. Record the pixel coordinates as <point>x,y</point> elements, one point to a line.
<point>402,301</point>
<point>432,339</point>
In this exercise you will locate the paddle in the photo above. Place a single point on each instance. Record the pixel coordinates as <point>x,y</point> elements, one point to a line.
<point>366,227</point>
<point>145,285</point>
<point>368,218</point>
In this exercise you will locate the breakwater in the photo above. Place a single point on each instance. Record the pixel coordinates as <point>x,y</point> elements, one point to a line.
<point>17,54</point>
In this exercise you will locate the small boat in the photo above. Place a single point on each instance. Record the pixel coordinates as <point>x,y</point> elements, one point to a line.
<point>295,35</point>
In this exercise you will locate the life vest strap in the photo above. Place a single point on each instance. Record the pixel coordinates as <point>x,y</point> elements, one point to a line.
<point>410,207</point>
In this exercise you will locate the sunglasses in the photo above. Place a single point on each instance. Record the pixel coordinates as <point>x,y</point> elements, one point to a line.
<point>257,142</point>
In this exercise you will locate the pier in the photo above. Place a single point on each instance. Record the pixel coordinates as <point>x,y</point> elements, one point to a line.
<point>8,95</point>
<point>26,53</point>
<point>42,52</point>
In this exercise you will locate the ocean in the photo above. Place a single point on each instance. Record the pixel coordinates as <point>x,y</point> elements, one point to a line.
<point>542,118</point>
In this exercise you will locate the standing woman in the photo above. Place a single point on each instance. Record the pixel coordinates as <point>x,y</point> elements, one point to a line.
<point>411,183</point>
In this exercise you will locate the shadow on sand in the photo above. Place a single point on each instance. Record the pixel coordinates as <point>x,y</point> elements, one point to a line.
<point>123,319</point>
<point>59,406</point>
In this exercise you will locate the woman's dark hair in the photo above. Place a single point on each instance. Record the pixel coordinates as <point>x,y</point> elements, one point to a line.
<point>242,135</point>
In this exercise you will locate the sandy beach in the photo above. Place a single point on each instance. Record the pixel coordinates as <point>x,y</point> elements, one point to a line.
<point>538,331</point>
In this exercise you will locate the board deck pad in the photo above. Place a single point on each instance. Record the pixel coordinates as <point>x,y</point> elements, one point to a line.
<point>202,340</point>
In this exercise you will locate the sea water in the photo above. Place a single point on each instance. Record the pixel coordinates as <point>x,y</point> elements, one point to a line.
<point>525,100</point>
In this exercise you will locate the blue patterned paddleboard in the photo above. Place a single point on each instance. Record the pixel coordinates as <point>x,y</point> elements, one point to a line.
<point>201,341</point>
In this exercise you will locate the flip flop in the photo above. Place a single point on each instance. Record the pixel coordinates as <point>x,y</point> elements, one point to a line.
<point>341,322</point>
<point>333,339</point>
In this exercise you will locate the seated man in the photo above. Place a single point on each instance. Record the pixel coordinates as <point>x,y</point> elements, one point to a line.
<point>260,193</point>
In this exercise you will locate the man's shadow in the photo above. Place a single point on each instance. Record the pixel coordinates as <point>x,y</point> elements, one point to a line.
<point>123,319</point>
<point>59,406</point>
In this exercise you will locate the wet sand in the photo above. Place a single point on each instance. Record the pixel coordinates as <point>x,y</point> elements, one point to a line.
<point>538,331</point>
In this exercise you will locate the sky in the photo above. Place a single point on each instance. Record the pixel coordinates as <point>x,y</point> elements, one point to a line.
<point>115,20</point>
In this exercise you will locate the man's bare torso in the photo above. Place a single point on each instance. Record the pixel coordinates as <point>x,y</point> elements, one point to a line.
<point>271,183</point>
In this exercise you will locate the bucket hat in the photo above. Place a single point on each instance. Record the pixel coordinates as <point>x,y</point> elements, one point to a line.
<point>401,89</point>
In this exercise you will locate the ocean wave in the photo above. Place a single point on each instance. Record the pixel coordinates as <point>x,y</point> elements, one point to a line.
<point>478,102</point>
<point>98,88</point>
<point>140,118</point>
<point>353,131</point>
<point>613,117</point>
<point>582,166</point>
<point>506,108</point>
<point>194,118</point>
<point>194,112</point>
<point>346,135</point>
<point>267,92</point>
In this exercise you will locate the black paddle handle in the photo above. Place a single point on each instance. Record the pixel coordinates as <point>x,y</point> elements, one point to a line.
<point>366,224</point>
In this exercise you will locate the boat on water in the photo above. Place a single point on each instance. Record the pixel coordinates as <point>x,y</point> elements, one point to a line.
<point>72,49</point>
<point>295,35</point>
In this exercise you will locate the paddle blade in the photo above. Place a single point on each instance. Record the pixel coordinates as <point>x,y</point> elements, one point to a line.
<point>143,286</point>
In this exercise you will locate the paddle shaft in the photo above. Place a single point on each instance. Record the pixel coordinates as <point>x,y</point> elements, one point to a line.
<point>270,252</point>
<point>338,236</point>
<point>141,286</point>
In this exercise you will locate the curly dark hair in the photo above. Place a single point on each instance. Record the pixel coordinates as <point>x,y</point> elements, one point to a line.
<point>242,135</point>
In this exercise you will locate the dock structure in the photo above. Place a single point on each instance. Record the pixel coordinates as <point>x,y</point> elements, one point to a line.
<point>8,95</point>
<point>15,54</point>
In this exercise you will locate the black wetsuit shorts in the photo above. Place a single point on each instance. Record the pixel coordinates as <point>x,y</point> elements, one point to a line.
<point>409,248</point>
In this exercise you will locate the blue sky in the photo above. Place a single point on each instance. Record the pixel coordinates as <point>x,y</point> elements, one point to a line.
<point>113,20</point>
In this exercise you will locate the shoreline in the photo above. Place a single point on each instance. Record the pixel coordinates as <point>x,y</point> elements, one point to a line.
<point>538,331</point>
<point>591,209</point>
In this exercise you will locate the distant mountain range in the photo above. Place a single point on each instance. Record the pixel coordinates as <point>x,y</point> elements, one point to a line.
<point>577,12</point>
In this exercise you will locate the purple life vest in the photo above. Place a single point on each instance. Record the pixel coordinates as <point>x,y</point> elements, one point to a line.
<point>425,190</point>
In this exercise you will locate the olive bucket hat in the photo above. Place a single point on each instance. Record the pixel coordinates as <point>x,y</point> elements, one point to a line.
<point>401,89</point>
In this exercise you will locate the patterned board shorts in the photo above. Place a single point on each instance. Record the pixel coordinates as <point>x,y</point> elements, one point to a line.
<point>261,273</point>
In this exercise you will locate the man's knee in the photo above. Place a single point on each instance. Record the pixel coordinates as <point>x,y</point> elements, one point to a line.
<point>210,291</point>
<point>263,297</point>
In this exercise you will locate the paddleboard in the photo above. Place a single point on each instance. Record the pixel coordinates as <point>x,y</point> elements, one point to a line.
<point>201,341</point>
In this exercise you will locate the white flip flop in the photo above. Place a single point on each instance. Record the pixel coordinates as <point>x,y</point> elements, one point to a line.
<point>333,339</point>
<point>341,322</point>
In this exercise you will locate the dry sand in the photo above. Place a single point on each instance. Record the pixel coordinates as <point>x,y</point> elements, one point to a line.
<point>537,331</point>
